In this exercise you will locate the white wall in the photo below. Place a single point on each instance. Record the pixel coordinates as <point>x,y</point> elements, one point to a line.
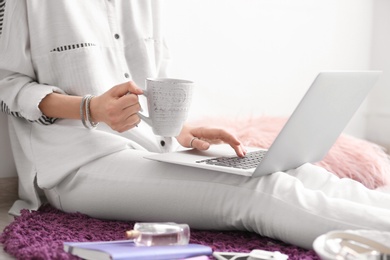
<point>379,103</point>
<point>253,57</point>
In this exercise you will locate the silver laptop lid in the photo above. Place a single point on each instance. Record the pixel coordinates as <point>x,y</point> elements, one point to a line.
<point>318,120</point>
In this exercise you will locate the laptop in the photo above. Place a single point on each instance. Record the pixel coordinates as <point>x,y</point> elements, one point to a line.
<point>307,136</point>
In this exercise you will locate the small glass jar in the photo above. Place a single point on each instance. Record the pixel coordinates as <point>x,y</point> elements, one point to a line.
<point>159,234</point>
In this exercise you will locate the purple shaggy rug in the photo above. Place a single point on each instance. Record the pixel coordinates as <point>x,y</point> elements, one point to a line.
<point>40,234</point>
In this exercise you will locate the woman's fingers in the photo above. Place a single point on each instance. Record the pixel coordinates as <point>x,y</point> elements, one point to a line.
<point>198,143</point>
<point>215,135</point>
<point>202,137</point>
<point>128,101</point>
<point>118,107</point>
<point>125,88</point>
<point>130,122</point>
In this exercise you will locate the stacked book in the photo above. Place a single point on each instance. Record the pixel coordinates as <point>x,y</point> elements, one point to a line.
<point>126,249</point>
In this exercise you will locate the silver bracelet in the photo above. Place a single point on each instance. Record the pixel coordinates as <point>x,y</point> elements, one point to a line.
<point>82,111</point>
<point>85,112</point>
<point>93,125</point>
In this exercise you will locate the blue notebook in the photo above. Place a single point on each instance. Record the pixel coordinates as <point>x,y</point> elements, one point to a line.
<point>126,249</point>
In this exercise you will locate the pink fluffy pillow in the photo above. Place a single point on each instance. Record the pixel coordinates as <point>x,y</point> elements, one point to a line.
<point>349,157</point>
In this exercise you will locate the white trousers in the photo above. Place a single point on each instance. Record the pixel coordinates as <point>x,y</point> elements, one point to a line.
<point>295,206</point>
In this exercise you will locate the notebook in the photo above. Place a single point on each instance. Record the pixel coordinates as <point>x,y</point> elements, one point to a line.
<point>316,123</point>
<point>126,250</point>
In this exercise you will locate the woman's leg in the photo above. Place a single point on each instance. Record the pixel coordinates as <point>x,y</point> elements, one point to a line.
<point>294,207</point>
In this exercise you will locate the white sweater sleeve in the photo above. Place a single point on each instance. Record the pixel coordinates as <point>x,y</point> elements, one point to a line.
<point>20,93</point>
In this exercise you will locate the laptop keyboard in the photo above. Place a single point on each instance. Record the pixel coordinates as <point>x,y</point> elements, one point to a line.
<point>251,160</point>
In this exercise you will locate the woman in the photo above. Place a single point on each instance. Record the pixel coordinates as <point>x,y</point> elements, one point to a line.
<point>55,52</point>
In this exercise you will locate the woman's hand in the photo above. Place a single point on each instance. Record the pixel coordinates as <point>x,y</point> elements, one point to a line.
<point>118,107</point>
<point>202,137</point>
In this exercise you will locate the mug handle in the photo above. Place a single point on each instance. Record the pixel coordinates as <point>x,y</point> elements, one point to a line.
<point>143,117</point>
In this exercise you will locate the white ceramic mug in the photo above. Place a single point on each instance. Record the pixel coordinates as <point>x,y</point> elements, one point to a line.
<point>169,101</point>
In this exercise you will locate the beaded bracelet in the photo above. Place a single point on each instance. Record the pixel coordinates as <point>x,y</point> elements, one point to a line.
<point>85,113</point>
